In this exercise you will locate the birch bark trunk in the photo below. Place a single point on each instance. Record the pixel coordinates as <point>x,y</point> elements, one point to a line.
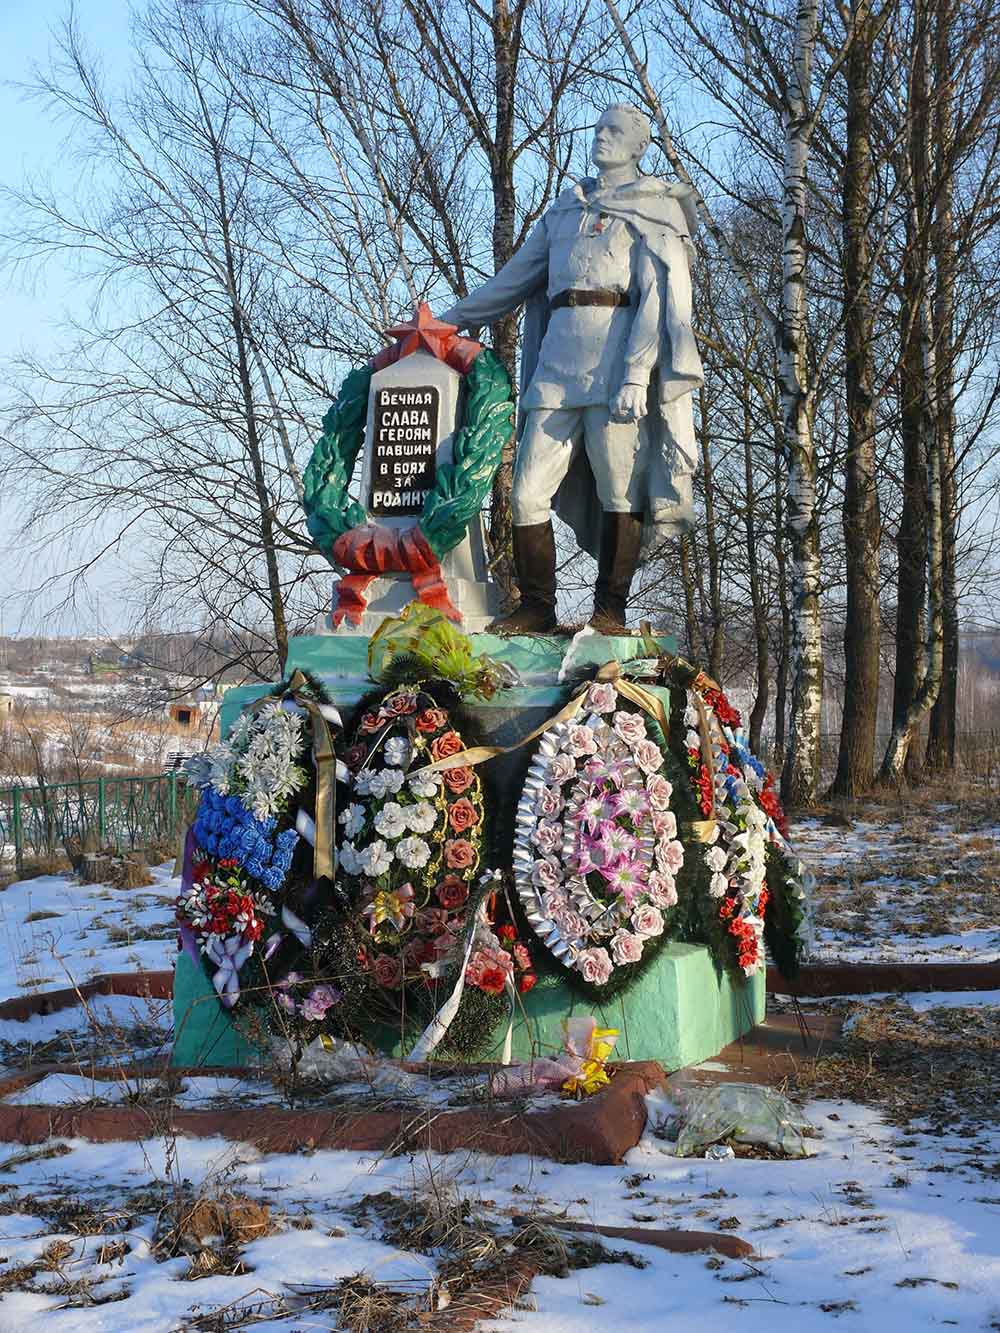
<point>801,773</point>
<point>942,735</point>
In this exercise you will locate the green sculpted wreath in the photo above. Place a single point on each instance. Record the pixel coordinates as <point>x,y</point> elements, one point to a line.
<point>460,486</point>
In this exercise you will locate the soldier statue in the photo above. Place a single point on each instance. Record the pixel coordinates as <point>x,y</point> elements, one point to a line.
<point>608,366</point>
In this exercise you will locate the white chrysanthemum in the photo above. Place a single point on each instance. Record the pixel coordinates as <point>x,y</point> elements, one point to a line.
<point>351,862</point>
<point>353,820</point>
<point>363,782</point>
<point>385,783</point>
<point>377,858</point>
<point>413,852</point>
<point>421,817</point>
<point>397,751</point>
<point>390,821</point>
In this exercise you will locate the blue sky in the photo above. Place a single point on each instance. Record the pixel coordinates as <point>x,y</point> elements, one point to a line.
<point>32,140</point>
<point>32,305</point>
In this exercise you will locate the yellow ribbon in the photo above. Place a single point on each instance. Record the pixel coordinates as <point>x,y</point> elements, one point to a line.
<point>593,1073</point>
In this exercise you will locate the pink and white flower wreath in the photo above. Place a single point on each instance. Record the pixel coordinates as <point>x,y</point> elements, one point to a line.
<point>596,846</point>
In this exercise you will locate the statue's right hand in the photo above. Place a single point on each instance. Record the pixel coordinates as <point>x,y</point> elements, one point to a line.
<point>629,403</point>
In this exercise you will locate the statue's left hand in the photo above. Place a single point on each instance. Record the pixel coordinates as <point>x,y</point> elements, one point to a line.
<point>629,403</point>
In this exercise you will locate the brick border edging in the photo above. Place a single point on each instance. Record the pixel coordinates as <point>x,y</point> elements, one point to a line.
<point>155,985</point>
<point>598,1130</point>
<point>819,980</point>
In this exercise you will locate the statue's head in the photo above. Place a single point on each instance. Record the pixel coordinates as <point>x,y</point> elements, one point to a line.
<point>621,137</point>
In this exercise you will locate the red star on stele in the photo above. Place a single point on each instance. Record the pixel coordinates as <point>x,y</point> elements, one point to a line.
<point>424,332</point>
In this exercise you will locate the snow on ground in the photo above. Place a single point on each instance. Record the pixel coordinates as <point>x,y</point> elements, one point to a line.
<point>54,931</point>
<point>867,1229</point>
<point>894,1219</point>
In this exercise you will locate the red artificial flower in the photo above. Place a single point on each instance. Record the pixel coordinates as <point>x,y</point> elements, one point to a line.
<point>525,982</point>
<point>505,933</point>
<point>448,744</point>
<point>432,719</point>
<point>462,815</point>
<point>492,980</point>
<point>458,780</point>
<point>452,892</point>
<point>459,853</point>
<point>723,709</point>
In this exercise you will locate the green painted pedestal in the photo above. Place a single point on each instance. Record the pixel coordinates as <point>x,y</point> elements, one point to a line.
<point>678,1012</point>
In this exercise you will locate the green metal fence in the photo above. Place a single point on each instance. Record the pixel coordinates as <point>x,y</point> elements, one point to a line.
<point>119,813</point>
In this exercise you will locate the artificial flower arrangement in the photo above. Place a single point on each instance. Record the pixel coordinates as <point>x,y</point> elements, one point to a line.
<point>757,887</point>
<point>253,882</point>
<point>597,845</point>
<point>413,846</point>
<point>412,843</point>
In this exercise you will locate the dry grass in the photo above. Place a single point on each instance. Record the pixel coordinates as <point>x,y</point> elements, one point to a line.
<point>942,1066</point>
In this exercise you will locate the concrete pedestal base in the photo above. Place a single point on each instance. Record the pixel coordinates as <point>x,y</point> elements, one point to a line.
<point>679,1013</point>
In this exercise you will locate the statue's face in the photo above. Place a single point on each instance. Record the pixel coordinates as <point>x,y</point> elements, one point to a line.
<point>618,140</point>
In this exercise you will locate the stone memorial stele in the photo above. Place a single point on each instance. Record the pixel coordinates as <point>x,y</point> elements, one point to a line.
<point>415,405</point>
<point>394,493</point>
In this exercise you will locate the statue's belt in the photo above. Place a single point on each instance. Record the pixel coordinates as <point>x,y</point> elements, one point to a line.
<point>573,297</point>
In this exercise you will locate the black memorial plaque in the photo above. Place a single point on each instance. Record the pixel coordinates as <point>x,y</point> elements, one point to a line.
<point>404,449</point>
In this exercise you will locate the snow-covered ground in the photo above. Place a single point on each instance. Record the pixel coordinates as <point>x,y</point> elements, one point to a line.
<point>894,1220</point>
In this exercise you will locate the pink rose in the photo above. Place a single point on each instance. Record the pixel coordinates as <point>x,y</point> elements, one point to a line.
<point>625,947</point>
<point>459,854</point>
<point>370,722</point>
<point>547,836</point>
<point>546,873</point>
<point>601,697</point>
<point>669,855</point>
<point>554,901</point>
<point>647,921</point>
<point>630,727</point>
<point>594,965</point>
<point>662,889</point>
<point>571,924</point>
<point>580,741</point>
<point>648,756</point>
<point>561,768</point>
<point>400,704</point>
<point>388,971</point>
<point>549,801</point>
<point>665,823</point>
<point>659,791</point>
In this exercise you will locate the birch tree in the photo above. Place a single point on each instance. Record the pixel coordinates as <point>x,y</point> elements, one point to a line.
<point>750,61</point>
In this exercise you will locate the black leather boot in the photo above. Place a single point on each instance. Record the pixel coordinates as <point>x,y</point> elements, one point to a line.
<point>621,540</point>
<point>535,564</point>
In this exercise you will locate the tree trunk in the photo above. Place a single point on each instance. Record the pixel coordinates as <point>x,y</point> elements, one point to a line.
<point>907,722</point>
<point>942,737</point>
<point>759,710</point>
<point>784,642</point>
<point>861,521</point>
<point>504,332</point>
<point>716,640</point>
<point>690,613</point>
<point>801,774</point>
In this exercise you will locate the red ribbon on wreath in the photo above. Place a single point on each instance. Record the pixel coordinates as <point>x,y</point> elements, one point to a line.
<point>371,550</point>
